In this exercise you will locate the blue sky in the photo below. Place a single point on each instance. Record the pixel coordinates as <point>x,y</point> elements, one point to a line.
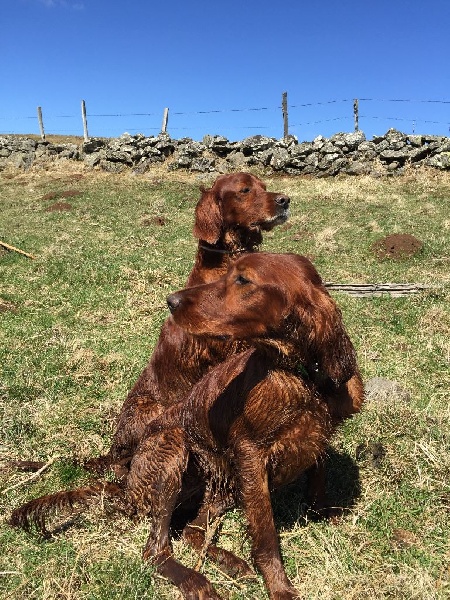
<point>221,67</point>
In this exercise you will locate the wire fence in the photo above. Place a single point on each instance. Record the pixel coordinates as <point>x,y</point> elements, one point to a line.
<point>305,120</point>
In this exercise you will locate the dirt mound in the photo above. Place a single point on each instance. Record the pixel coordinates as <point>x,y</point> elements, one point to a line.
<point>58,206</point>
<point>397,246</point>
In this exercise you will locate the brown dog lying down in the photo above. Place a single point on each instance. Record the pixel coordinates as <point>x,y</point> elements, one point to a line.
<point>229,220</point>
<point>254,423</point>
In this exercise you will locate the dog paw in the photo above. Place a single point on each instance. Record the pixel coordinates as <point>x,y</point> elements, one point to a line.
<point>197,587</point>
<point>232,565</point>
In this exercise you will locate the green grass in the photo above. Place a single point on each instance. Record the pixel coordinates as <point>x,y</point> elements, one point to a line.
<point>79,322</point>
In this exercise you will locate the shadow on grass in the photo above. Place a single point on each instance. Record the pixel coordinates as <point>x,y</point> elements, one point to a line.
<point>289,503</point>
<point>343,489</point>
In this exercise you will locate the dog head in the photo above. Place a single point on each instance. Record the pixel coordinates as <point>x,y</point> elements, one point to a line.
<point>266,298</point>
<point>238,201</point>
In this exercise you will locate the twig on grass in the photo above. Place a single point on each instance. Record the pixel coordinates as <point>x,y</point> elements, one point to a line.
<point>211,531</point>
<point>14,249</point>
<point>31,477</point>
<point>233,580</point>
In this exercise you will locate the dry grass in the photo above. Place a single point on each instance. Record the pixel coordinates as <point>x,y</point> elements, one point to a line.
<point>53,138</point>
<point>79,322</point>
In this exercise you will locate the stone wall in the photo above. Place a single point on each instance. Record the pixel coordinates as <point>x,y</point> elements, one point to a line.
<point>348,153</point>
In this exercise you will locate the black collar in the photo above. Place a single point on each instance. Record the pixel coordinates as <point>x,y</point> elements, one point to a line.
<point>212,248</point>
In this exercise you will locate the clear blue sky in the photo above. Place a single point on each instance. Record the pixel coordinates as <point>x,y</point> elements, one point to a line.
<point>214,61</point>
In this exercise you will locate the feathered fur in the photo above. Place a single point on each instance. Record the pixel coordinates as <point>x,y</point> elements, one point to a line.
<point>229,220</point>
<point>37,511</point>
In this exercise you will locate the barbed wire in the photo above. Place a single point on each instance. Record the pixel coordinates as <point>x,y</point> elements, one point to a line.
<point>406,120</point>
<point>251,109</point>
<point>321,121</point>
<point>308,104</point>
<point>292,125</point>
<point>125,115</point>
<point>403,100</point>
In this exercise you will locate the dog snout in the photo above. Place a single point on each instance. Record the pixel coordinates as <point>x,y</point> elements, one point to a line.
<point>283,201</point>
<point>173,302</point>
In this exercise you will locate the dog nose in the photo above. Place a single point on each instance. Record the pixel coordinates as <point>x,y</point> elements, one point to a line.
<point>173,302</point>
<point>283,201</point>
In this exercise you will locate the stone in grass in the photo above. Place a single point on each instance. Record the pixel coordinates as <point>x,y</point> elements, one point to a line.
<point>381,390</point>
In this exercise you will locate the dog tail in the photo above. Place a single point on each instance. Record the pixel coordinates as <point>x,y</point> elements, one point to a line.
<point>36,511</point>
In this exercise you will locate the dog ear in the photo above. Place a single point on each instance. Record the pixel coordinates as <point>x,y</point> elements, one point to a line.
<point>327,347</point>
<point>208,218</point>
<point>331,344</point>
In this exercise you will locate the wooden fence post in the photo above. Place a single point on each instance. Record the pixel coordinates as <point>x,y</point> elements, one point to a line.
<point>356,114</point>
<point>284,107</point>
<point>165,121</point>
<point>83,115</point>
<point>41,122</point>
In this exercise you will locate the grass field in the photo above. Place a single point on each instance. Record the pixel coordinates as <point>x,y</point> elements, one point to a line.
<point>79,322</point>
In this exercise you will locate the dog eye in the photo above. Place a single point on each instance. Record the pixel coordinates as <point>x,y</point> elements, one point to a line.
<point>245,190</point>
<point>241,280</point>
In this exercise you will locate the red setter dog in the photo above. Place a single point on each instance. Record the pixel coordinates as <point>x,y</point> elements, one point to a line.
<point>229,219</point>
<point>253,423</point>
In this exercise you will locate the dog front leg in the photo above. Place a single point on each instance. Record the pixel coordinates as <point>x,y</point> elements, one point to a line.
<point>154,483</point>
<point>253,483</point>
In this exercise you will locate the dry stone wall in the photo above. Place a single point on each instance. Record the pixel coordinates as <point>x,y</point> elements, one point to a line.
<point>348,153</point>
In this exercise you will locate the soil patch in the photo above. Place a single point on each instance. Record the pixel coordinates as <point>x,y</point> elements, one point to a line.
<point>7,306</point>
<point>154,221</point>
<point>59,206</point>
<point>65,194</point>
<point>50,196</point>
<point>70,194</point>
<point>397,246</point>
<point>372,452</point>
<point>301,234</point>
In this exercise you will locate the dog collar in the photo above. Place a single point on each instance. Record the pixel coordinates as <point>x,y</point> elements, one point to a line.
<point>221,250</point>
